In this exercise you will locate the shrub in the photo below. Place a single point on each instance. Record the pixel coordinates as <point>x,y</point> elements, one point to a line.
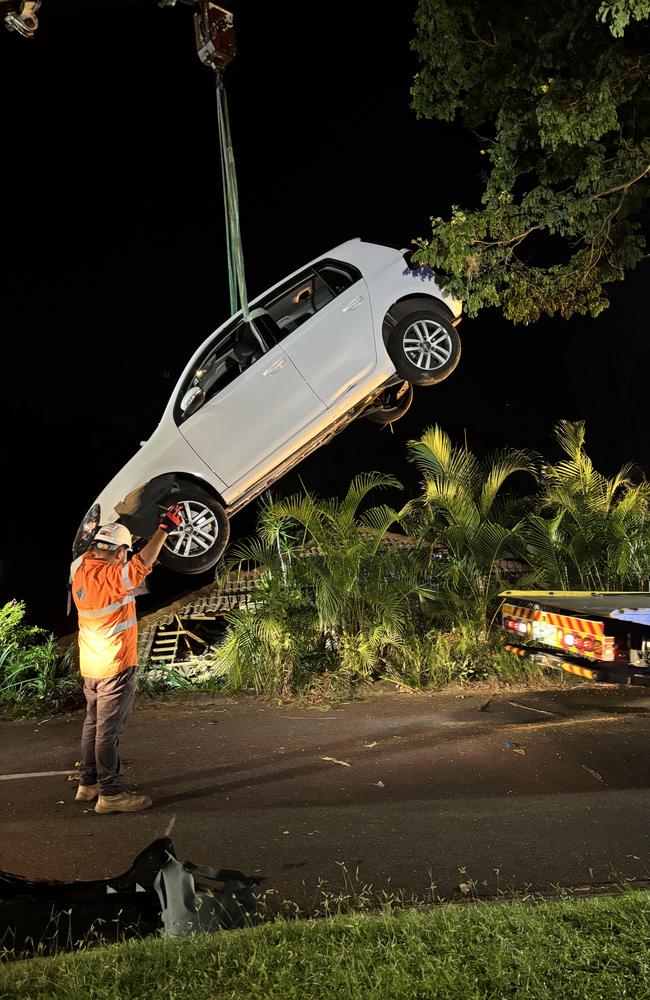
<point>32,671</point>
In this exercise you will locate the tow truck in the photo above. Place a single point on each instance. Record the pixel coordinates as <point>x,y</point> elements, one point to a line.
<point>599,636</point>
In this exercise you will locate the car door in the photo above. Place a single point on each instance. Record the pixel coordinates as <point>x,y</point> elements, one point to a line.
<point>252,416</point>
<point>327,330</point>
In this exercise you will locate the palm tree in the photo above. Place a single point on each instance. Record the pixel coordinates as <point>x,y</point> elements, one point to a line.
<point>464,512</point>
<point>277,630</point>
<point>327,560</point>
<point>598,534</point>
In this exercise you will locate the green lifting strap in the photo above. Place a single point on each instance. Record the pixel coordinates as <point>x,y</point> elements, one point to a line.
<point>236,276</point>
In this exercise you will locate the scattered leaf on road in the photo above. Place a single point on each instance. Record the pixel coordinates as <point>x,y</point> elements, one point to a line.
<point>333,760</point>
<point>519,750</point>
<point>369,746</point>
<point>593,773</point>
<point>380,784</point>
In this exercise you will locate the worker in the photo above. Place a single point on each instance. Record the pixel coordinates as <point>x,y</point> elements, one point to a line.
<point>25,22</point>
<point>103,588</point>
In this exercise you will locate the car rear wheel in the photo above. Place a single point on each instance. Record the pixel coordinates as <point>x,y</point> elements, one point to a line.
<point>424,346</point>
<point>198,544</point>
<point>393,403</point>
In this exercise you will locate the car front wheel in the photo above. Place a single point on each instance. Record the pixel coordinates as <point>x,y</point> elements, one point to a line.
<point>424,347</point>
<point>198,544</point>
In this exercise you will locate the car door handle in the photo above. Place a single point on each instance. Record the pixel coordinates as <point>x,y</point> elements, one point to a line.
<point>354,304</point>
<point>275,368</point>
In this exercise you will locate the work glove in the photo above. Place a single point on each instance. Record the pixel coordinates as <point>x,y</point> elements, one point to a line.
<point>172,519</point>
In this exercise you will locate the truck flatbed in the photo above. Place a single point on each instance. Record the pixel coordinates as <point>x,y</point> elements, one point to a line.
<point>633,606</point>
<point>601,636</point>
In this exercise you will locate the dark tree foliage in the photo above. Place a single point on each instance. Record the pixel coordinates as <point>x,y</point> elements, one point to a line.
<point>558,94</point>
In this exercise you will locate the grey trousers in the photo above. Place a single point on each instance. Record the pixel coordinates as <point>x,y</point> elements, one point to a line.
<point>108,706</point>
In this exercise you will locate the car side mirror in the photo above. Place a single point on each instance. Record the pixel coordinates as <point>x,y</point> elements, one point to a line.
<point>192,399</point>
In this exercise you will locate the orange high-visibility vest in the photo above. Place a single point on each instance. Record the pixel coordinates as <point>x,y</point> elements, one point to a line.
<point>108,628</point>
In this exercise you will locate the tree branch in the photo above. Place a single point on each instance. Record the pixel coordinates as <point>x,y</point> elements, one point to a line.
<point>484,41</point>
<point>513,239</point>
<point>620,187</point>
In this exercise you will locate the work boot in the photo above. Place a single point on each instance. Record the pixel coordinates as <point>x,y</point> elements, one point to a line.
<point>86,793</point>
<point>125,802</point>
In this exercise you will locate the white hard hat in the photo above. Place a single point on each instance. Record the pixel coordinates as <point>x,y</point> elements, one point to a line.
<point>113,534</point>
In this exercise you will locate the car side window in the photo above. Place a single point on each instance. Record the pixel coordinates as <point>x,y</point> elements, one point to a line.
<point>339,277</point>
<point>309,293</point>
<point>223,362</point>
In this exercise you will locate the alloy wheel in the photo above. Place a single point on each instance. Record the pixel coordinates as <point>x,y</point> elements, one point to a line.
<point>427,345</point>
<point>198,532</point>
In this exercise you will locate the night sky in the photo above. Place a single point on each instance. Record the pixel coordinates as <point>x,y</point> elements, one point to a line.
<point>113,264</point>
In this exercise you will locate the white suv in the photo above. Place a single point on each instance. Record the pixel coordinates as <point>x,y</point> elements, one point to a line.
<point>347,335</point>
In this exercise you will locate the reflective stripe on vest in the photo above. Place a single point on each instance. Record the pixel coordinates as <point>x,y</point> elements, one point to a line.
<point>87,615</point>
<point>121,626</point>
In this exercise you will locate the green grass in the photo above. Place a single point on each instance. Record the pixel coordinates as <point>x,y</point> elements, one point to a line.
<point>594,949</point>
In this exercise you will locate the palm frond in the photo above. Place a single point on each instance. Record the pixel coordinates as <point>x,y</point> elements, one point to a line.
<point>380,520</point>
<point>499,469</point>
<point>296,509</point>
<point>436,457</point>
<point>571,437</point>
<point>359,488</point>
<point>450,504</point>
<point>249,553</point>
<point>546,549</point>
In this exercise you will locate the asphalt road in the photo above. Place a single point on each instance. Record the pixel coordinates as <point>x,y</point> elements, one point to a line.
<point>434,794</point>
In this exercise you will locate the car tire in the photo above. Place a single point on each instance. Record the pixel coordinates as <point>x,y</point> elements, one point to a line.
<point>424,346</point>
<point>190,552</point>
<point>393,403</point>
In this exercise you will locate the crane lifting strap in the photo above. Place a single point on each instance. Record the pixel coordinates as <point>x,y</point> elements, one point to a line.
<point>236,275</point>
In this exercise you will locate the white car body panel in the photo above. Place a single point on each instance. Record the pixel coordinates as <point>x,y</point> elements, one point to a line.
<point>348,354</point>
<point>257,415</point>
<point>326,367</point>
<point>166,451</point>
